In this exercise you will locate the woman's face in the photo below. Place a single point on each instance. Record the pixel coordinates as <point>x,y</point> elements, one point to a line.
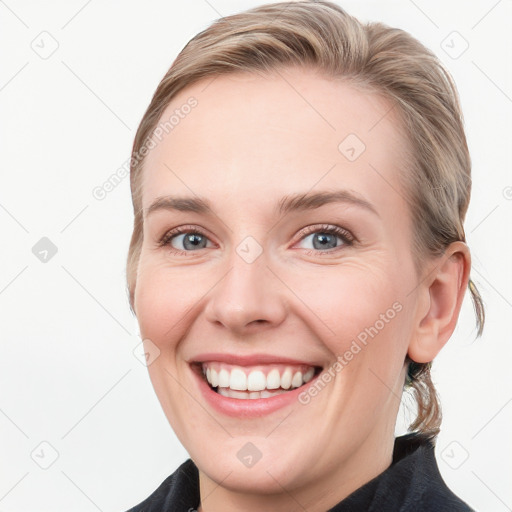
<point>293,257</point>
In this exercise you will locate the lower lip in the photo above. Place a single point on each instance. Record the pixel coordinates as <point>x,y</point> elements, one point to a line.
<point>248,408</point>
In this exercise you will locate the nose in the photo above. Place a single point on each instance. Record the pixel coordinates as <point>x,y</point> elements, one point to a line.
<point>248,298</point>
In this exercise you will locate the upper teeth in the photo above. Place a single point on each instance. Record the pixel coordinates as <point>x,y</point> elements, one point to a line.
<point>244,379</point>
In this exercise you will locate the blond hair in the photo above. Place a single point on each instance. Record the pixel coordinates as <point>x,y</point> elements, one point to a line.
<point>373,56</point>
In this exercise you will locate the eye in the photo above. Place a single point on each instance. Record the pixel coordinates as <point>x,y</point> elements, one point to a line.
<point>185,239</point>
<point>326,238</point>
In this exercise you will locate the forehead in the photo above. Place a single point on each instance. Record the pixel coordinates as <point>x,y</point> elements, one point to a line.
<point>255,136</point>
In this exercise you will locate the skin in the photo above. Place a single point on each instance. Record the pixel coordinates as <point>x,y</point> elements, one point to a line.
<point>250,141</point>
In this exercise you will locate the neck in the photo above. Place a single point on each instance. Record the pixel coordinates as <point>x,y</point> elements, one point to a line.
<point>366,462</point>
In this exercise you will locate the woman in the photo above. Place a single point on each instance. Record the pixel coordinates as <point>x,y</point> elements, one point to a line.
<point>300,182</point>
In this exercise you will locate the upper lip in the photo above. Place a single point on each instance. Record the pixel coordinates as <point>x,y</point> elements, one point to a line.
<point>249,360</point>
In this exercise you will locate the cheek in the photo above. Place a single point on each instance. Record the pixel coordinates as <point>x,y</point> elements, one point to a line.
<point>351,298</point>
<point>362,318</point>
<point>164,300</point>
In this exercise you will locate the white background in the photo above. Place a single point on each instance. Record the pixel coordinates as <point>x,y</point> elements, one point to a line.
<point>68,375</point>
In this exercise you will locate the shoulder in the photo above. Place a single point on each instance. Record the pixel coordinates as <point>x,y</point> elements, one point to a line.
<point>179,492</point>
<point>427,491</point>
<point>412,483</point>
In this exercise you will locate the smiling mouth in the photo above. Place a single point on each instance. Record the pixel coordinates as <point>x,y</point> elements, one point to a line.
<point>253,382</point>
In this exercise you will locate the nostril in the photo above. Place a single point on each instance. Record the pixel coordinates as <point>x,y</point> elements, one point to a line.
<point>260,321</point>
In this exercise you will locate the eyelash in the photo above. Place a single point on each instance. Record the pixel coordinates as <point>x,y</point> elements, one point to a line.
<point>347,237</point>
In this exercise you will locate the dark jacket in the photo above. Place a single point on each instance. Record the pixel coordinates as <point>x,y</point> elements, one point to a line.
<point>411,483</point>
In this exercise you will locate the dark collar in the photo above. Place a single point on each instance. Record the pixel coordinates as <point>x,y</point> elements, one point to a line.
<point>411,483</point>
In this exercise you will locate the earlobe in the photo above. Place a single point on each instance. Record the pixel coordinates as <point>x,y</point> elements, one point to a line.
<point>440,300</point>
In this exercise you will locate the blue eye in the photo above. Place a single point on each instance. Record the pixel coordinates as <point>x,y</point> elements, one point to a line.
<point>188,239</point>
<point>184,239</point>
<point>327,237</point>
<point>322,241</point>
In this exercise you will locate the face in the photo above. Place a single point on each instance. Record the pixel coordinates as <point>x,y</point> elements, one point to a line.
<point>277,255</point>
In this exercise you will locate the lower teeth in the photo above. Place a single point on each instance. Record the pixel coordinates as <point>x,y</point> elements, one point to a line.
<point>250,395</point>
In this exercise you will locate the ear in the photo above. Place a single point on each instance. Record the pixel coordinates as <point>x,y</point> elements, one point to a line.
<point>440,298</point>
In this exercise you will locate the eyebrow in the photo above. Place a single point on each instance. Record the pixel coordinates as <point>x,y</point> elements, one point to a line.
<point>289,203</point>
